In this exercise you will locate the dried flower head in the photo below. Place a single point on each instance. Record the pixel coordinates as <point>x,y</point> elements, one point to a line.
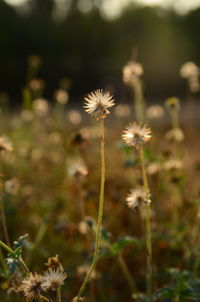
<point>98,102</point>
<point>173,164</point>
<point>136,198</point>
<point>155,112</point>
<point>5,144</point>
<point>175,135</point>
<point>173,103</point>
<point>136,135</point>
<point>122,110</point>
<point>61,96</point>
<point>53,278</point>
<point>32,286</point>
<point>131,71</point>
<point>40,106</point>
<point>77,167</point>
<point>189,69</point>
<point>54,262</point>
<point>37,84</point>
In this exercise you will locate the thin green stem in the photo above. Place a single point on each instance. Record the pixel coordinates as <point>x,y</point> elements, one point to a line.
<point>3,216</point>
<point>11,251</point>
<point>100,215</point>
<point>148,229</point>
<point>126,273</point>
<point>2,260</point>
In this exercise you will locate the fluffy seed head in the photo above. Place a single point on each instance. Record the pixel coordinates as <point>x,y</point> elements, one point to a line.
<point>137,198</point>
<point>189,69</point>
<point>31,286</point>
<point>131,71</point>
<point>136,135</point>
<point>53,278</point>
<point>98,102</point>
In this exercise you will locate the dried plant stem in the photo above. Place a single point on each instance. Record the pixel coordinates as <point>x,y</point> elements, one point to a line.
<point>148,229</point>
<point>11,251</point>
<point>139,101</point>
<point>3,216</point>
<point>100,214</point>
<point>2,260</point>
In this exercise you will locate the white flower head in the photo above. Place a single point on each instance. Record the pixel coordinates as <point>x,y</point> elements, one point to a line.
<point>32,286</point>
<point>98,102</point>
<point>53,278</point>
<point>137,198</point>
<point>136,135</point>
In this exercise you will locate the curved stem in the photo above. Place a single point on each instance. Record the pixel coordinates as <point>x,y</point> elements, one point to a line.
<point>3,216</point>
<point>148,229</point>
<point>100,215</point>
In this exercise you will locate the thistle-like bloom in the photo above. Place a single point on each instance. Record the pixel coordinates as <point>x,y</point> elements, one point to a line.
<point>137,198</point>
<point>98,102</point>
<point>32,286</point>
<point>136,135</point>
<point>53,278</point>
<point>131,71</point>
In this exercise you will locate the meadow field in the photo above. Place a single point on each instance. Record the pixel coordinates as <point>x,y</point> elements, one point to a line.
<point>140,240</point>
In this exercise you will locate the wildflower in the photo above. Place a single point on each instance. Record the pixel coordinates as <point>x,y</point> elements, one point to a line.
<point>83,269</point>
<point>40,106</point>
<point>5,144</point>
<point>54,263</point>
<point>153,168</point>
<point>175,135</point>
<point>122,110</point>
<point>136,198</point>
<point>173,103</point>
<point>74,117</point>
<point>155,112</point>
<point>53,278</point>
<point>34,61</point>
<point>37,84</point>
<point>189,69</point>
<point>173,164</point>
<point>98,103</point>
<point>61,96</point>
<point>131,71</point>
<point>32,286</point>
<point>136,135</point>
<point>77,168</point>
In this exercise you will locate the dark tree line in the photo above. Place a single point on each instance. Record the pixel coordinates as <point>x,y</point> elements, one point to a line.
<point>92,50</point>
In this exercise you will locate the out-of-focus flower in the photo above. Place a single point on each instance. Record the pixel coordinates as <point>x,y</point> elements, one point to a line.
<point>61,96</point>
<point>37,84</point>
<point>175,135</point>
<point>27,115</point>
<point>173,164</point>
<point>131,71</point>
<point>12,185</point>
<point>122,110</point>
<point>83,227</point>
<point>155,112</point>
<point>173,103</point>
<point>189,69</point>
<point>98,102</point>
<point>153,168</point>
<point>137,198</point>
<point>83,269</point>
<point>76,167</point>
<point>5,144</point>
<point>136,135</point>
<point>74,117</point>
<point>40,106</point>
<point>34,61</point>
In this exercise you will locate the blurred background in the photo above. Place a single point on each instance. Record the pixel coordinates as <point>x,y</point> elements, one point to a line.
<point>89,41</point>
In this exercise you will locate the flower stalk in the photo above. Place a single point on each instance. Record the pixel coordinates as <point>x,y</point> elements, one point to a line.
<point>100,214</point>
